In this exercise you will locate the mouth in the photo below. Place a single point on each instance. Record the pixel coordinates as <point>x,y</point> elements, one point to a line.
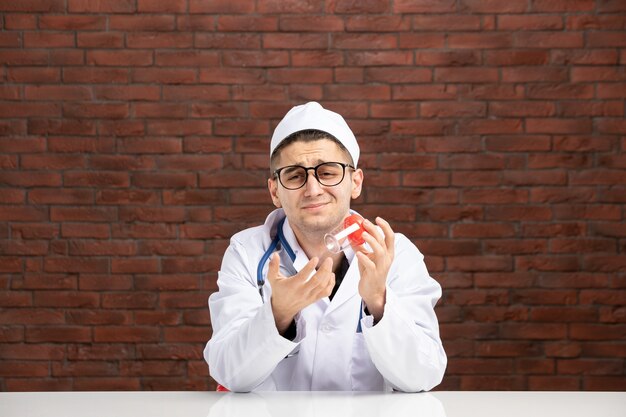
<point>313,207</point>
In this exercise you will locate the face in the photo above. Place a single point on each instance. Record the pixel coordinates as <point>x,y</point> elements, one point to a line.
<point>315,209</point>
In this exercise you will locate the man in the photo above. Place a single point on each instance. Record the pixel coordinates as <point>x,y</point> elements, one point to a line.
<point>289,314</point>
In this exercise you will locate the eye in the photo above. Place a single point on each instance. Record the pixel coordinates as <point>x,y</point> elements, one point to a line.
<point>294,177</point>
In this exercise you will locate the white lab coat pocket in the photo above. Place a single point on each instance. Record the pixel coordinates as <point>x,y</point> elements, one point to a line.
<point>363,373</point>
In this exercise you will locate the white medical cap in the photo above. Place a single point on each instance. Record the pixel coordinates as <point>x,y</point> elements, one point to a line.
<point>313,116</point>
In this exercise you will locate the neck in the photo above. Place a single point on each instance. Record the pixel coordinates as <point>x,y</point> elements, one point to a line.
<point>313,246</point>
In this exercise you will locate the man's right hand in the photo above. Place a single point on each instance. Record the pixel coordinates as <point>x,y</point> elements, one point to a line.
<point>292,294</point>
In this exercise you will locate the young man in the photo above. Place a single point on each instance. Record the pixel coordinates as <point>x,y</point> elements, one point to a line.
<point>289,314</point>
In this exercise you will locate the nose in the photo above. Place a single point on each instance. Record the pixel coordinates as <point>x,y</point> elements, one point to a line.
<point>312,186</point>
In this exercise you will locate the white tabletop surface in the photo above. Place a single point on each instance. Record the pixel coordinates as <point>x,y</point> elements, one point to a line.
<point>313,404</point>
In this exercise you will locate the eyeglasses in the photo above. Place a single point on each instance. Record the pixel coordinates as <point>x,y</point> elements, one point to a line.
<point>328,174</point>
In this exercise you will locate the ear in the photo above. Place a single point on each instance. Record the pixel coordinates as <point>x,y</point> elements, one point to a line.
<point>357,183</point>
<point>272,186</point>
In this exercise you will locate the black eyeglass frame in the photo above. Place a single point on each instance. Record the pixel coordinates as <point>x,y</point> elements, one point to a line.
<point>315,168</point>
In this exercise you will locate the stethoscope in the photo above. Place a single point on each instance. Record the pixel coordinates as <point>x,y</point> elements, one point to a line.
<point>280,239</point>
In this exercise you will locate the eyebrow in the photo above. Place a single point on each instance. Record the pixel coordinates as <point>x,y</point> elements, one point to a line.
<point>316,162</point>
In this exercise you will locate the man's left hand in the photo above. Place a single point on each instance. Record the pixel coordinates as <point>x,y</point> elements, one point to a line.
<point>374,266</point>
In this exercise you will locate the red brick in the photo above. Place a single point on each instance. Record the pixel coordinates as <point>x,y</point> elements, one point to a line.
<point>189,334</point>
<point>290,6</point>
<point>578,109</point>
<point>604,383</point>
<point>516,57</point>
<point>185,93</point>
<point>552,6</point>
<point>595,73</point>
<point>120,58</point>
<point>248,23</point>
<point>552,383</point>
<point>534,74</point>
<point>295,23</point>
<point>452,109</point>
<point>126,334</point>
<point>487,127</point>
<point>464,366</point>
<point>421,40</point>
<point>32,6</point>
<point>24,369</point>
<point>560,91</point>
<point>95,75</point>
<point>424,6</point>
<point>59,334</point>
<point>584,57</point>
<point>96,111</point>
<point>476,263</point>
<point>420,127</point>
<point>605,39</point>
<point>72,22</point>
<point>87,6</point>
<point>228,41</point>
<point>106,384</point>
<point>444,58</point>
<point>552,125</point>
<point>379,58</point>
<point>176,128</point>
<point>363,41</point>
<point>548,40</point>
<point>393,110</point>
<point>83,368</point>
<point>139,22</point>
<point>22,58</point>
<point>52,162</point>
<point>317,58</point>
<point>425,92</point>
<point>100,40</point>
<point>350,7</point>
<point>164,180</point>
<point>529,22</point>
<point>588,21</point>
<point>152,40</point>
<point>378,23</point>
<point>61,197</point>
<point>134,265</point>
<point>295,75</point>
<point>479,40</point>
<point>451,22</point>
<point>156,6</point>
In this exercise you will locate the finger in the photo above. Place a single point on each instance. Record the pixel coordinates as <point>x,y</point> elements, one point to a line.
<point>377,248</point>
<point>327,265</point>
<point>365,262</point>
<point>322,275</point>
<point>373,230</point>
<point>326,285</point>
<point>390,236</point>
<point>274,268</point>
<point>305,272</point>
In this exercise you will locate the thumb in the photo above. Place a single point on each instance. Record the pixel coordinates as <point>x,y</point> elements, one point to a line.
<point>272,272</point>
<point>327,265</point>
<point>308,269</point>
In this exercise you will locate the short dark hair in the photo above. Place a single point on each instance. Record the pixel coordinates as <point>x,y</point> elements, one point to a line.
<point>308,135</point>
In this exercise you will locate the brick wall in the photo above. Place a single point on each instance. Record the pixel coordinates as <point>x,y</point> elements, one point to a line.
<point>134,137</point>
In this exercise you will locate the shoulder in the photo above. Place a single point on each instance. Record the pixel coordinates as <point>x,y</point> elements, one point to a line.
<point>403,245</point>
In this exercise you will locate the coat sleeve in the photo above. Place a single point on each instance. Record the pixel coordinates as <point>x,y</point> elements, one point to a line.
<point>245,346</point>
<point>405,345</point>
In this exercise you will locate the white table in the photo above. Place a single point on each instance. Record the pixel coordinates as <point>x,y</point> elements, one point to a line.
<point>313,404</point>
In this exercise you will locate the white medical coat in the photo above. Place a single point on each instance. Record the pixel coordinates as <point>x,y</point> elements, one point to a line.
<point>402,351</point>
